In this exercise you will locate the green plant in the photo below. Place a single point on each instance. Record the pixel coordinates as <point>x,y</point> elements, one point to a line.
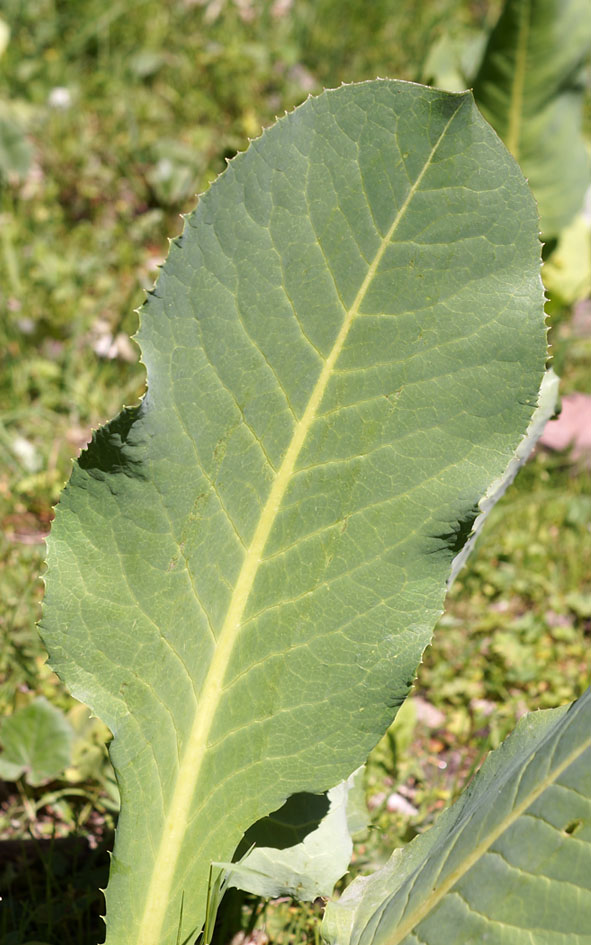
<point>82,235</point>
<point>344,351</point>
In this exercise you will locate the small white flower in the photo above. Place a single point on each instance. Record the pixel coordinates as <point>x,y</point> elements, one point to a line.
<point>60,97</point>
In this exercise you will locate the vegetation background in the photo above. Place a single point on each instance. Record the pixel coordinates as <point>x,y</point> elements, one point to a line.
<point>113,115</point>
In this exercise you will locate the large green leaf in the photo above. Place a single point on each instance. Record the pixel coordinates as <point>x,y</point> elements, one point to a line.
<point>344,349</point>
<point>509,863</point>
<point>530,87</point>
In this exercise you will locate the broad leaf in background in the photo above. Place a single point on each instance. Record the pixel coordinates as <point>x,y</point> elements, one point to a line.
<point>510,862</point>
<point>344,349</point>
<point>530,87</point>
<point>36,743</point>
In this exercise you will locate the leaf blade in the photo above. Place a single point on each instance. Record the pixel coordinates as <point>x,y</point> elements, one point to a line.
<point>228,555</point>
<point>198,740</point>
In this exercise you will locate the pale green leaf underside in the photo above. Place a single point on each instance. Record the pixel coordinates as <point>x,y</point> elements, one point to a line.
<point>307,869</point>
<point>530,87</point>
<point>508,864</point>
<point>344,350</point>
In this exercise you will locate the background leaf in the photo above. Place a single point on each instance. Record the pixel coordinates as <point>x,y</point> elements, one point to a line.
<point>530,87</point>
<point>344,350</point>
<point>36,742</point>
<point>508,863</point>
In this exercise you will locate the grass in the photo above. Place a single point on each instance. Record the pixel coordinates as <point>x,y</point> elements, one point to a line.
<point>153,98</point>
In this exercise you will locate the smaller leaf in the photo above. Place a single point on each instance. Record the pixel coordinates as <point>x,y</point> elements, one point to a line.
<point>309,869</point>
<point>36,742</point>
<point>510,862</point>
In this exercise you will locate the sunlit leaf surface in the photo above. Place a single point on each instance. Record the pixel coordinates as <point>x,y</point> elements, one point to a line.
<point>344,350</point>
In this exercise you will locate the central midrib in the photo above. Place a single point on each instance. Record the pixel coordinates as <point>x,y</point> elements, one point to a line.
<point>173,833</point>
<point>516,102</point>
